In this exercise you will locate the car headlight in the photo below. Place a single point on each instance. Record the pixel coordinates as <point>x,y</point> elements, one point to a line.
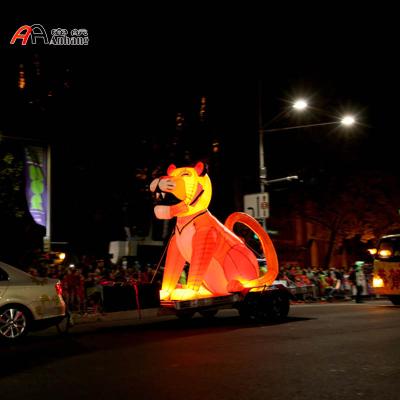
<point>377,282</point>
<point>384,253</point>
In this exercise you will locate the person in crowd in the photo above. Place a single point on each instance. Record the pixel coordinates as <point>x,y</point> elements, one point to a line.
<point>94,292</point>
<point>357,278</point>
<point>67,284</point>
<point>311,275</point>
<point>336,283</point>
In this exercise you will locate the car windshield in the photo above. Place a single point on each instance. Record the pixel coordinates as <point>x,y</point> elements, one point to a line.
<point>14,272</point>
<point>3,275</point>
<point>389,249</point>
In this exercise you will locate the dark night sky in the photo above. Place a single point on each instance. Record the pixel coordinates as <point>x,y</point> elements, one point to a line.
<point>123,91</point>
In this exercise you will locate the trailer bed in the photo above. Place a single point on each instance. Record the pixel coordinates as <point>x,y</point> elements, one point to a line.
<point>262,303</point>
<point>207,302</point>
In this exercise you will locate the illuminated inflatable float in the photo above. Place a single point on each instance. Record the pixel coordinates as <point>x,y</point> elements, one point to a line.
<point>220,263</point>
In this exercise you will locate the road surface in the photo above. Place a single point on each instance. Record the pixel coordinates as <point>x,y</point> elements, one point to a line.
<point>323,351</point>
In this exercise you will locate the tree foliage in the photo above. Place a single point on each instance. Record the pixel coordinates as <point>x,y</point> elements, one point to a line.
<point>358,207</point>
<point>11,185</point>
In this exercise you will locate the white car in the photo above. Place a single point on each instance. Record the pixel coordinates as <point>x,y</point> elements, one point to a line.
<point>28,303</point>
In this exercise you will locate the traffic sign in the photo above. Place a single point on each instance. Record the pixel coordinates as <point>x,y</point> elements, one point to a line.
<point>257,205</point>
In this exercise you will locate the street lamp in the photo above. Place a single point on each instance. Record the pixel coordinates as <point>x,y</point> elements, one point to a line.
<point>347,121</point>
<point>298,105</point>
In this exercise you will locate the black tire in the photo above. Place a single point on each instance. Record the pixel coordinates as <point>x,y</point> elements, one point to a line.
<point>248,309</point>
<point>209,314</point>
<point>279,306</point>
<point>244,313</point>
<point>271,307</point>
<point>15,322</point>
<point>395,300</point>
<point>185,315</point>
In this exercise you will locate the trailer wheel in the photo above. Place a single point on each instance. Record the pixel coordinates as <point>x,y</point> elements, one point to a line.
<point>263,311</point>
<point>185,315</point>
<point>395,300</point>
<point>209,314</point>
<point>279,306</point>
<point>244,313</point>
<point>249,308</point>
<point>270,307</point>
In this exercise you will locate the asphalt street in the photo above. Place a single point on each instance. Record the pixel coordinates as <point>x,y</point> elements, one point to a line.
<point>324,351</point>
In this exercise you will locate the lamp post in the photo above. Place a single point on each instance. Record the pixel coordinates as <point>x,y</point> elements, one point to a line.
<point>298,105</point>
<point>347,121</point>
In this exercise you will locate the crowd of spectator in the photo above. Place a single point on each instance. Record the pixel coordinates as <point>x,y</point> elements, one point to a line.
<point>325,284</point>
<point>83,282</point>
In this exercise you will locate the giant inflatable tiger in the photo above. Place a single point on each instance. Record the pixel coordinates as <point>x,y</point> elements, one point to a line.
<point>220,263</point>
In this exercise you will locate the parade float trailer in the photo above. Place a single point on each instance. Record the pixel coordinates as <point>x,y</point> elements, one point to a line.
<point>269,303</point>
<point>223,271</point>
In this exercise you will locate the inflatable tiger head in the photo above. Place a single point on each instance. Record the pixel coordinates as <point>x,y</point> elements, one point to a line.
<point>184,191</point>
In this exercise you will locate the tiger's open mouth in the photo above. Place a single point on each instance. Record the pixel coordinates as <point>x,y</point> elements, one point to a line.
<point>165,199</point>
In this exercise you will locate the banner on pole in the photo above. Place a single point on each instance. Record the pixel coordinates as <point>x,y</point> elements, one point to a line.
<point>36,182</point>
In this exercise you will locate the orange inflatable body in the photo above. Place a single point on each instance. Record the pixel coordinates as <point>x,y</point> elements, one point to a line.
<point>220,263</point>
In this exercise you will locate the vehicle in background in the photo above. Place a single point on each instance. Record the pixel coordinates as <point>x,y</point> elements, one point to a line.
<point>386,267</point>
<point>28,303</point>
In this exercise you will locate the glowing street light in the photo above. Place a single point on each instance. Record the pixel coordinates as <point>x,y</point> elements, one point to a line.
<point>348,120</point>
<point>300,104</point>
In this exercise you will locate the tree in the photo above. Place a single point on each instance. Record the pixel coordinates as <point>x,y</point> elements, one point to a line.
<point>11,178</point>
<point>360,206</point>
<point>16,224</point>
